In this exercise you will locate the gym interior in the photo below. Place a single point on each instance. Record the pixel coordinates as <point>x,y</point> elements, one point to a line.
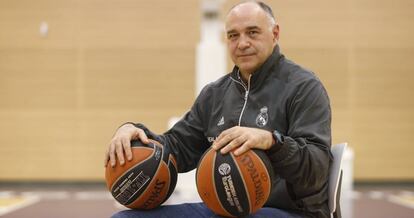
<point>73,71</point>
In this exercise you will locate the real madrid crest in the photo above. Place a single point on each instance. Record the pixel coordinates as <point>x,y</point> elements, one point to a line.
<point>262,118</point>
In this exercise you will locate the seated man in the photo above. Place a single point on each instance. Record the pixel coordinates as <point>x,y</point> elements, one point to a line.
<point>267,102</point>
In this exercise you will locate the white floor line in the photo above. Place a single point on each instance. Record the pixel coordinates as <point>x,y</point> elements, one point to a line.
<point>355,195</point>
<point>93,195</point>
<point>6,193</point>
<point>406,193</point>
<point>376,195</point>
<point>51,195</point>
<point>27,202</point>
<point>400,201</point>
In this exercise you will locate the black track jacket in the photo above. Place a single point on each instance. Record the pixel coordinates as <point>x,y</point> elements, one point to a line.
<point>281,96</point>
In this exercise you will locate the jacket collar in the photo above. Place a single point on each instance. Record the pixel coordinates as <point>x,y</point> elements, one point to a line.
<point>263,72</point>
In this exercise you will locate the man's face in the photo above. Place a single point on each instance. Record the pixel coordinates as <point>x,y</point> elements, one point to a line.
<point>250,36</point>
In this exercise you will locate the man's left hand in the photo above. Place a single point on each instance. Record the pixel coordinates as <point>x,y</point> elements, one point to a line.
<point>243,139</point>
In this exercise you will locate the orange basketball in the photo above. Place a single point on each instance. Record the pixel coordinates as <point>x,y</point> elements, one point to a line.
<point>234,186</point>
<point>147,180</point>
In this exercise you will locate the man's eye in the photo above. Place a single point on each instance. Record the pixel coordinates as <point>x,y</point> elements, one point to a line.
<point>252,33</point>
<point>231,36</point>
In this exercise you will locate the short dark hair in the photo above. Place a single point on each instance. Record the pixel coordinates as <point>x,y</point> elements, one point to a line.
<point>266,8</point>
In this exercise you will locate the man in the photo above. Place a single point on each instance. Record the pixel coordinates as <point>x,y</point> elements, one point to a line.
<point>267,102</point>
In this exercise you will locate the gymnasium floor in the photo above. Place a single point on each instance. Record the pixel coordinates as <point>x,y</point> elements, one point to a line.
<point>92,200</point>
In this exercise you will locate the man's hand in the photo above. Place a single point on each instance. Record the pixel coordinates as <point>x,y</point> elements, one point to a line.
<point>242,139</point>
<point>121,142</point>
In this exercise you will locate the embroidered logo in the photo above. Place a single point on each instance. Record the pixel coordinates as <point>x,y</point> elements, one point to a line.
<point>262,118</point>
<point>211,139</point>
<point>221,122</point>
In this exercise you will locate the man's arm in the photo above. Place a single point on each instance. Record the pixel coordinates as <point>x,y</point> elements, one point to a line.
<point>186,138</point>
<point>303,158</point>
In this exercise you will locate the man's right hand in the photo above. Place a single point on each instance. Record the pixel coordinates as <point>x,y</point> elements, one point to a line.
<point>121,143</point>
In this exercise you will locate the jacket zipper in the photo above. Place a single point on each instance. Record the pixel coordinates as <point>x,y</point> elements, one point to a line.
<point>246,95</point>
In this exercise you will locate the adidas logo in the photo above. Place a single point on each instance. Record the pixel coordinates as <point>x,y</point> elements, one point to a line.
<point>221,122</point>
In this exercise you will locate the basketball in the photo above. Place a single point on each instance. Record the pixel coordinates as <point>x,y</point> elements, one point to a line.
<point>234,186</point>
<point>147,180</point>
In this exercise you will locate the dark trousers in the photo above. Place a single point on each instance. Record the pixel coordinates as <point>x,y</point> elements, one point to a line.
<point>195,210</point>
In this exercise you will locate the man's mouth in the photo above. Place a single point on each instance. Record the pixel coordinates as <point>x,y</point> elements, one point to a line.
<point>244,55</point>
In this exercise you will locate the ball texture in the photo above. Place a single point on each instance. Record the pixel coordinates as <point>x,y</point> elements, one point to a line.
<point>234,186</point>
<point>147,180</point>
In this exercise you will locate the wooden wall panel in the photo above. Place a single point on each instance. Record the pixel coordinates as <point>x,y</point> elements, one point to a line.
<point>382,139</point>
<point>382,23</point>
<point>382,80</point>
<point>37,144</point>
<point>383,112</point>
<point>119,78</point>
<point>20,22</point>
<point>145,23</point>
<point>102,64</point>
<point>37,78</point>
<point>384,77</point>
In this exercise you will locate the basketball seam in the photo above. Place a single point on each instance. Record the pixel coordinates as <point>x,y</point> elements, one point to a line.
<point>199,164</point>
<point>244,182</point>
<point>168,183</point>
<point>268,175</point>
<point>172,160</point>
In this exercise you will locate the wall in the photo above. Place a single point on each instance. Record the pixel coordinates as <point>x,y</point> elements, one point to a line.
<point>103,63</point>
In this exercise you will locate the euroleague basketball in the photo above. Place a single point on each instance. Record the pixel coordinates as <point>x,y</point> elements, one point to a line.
<point>147,180</point>
<point>234,186</point>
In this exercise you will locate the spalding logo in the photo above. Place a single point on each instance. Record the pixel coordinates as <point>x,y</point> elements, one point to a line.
<point>155,194</point>
<point>224,169</point>
<point>254,175</point>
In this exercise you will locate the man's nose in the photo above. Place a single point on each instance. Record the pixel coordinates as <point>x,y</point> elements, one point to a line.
<point>244,42</point>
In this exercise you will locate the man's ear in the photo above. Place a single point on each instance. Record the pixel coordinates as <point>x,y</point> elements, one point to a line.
<point>276,32</point>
